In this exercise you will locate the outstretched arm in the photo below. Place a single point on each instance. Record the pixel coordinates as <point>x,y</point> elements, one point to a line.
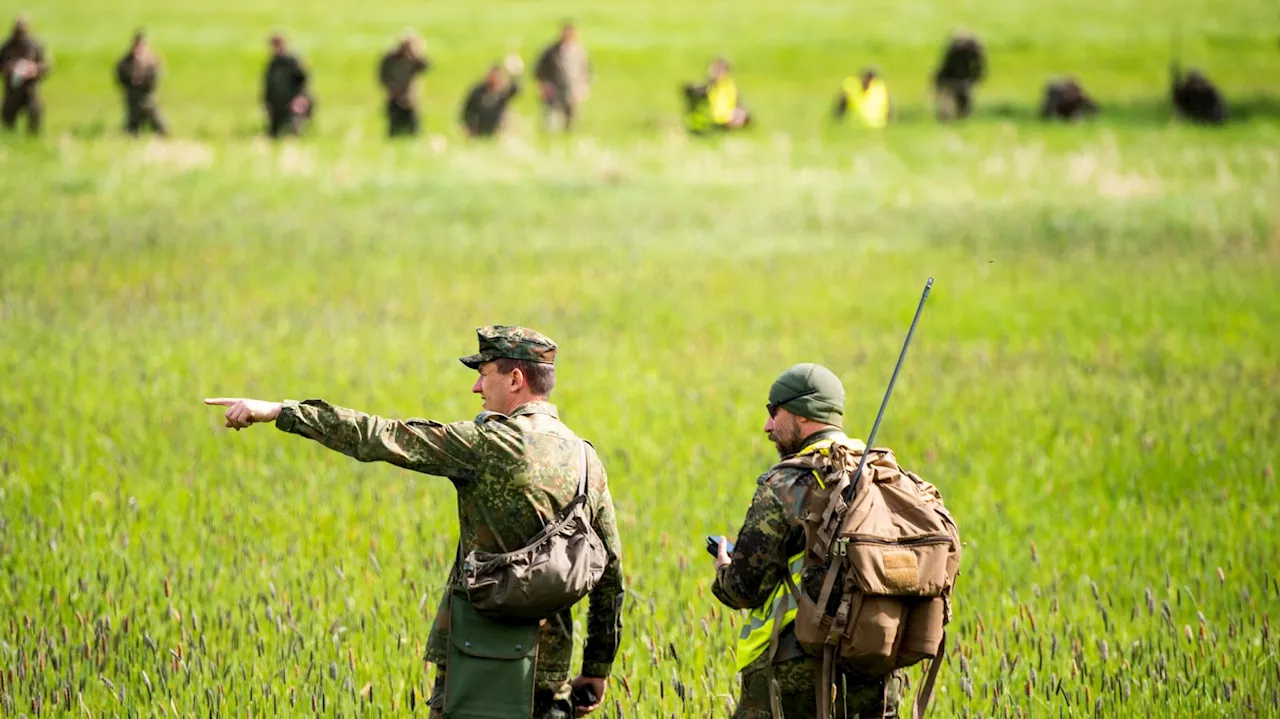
<point>445,450</point>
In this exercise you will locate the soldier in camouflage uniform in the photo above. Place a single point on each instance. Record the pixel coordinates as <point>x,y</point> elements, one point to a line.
<point>398,73</point>
<point>963,66</point>
<point>284,91</point>
<point>23,65</point>
<point>806,406</point>
<point>137,74</point>
<point>513,467</point>
<point>564,77</point>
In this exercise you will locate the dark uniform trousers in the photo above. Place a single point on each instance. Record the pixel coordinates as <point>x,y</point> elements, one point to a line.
<point>854,696</point>
<point>17,101</point>
<point>401,120</point>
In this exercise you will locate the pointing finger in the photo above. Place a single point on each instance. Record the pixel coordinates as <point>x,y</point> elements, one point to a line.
<point>224,401</point>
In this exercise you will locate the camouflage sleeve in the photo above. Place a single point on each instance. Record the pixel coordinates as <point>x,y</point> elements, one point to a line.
<point>545,68</point>
<point>445,450</point>
<point>759,555</point>
<point>604,618</point>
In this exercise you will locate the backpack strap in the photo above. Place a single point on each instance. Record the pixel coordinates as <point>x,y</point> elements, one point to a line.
<point>926,690</point>
<point>775,702</point>
<point>582,470</point>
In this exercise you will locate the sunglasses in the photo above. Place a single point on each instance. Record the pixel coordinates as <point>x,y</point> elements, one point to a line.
<point>774,406</point>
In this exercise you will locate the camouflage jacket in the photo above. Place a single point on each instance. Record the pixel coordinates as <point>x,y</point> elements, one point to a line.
<point>771,534</point>
<point>566,67</point>
<point>22,48</point>
<point>284,79</point>
<point>512,474</point>
<point>398,72</point>
<point>138,78</point>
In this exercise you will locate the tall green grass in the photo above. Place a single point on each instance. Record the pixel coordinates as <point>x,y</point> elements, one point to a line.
<point>1093,386</point>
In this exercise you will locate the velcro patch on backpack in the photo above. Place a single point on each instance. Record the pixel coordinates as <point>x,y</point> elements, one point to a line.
<point>901,571</point>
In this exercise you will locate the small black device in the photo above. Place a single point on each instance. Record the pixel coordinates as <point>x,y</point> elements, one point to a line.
<point>584,696</point>
<point>713,545</point>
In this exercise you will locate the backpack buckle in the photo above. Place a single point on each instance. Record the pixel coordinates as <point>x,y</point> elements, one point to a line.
<point>842,547</point>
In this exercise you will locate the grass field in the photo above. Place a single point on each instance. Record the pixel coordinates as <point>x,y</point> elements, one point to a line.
<point>1094,386</point>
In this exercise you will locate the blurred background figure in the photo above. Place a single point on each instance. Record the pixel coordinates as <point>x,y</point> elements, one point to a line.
<point>486,103</point>
<point>563,72</point>
<point>138,74</point>
<point>867,97</point>
<point>1066,100</point>
<point>964,65</point>
<point>24,64</point>
<point>715,104</point>
<point>284,91</point>
<point>398,73</point>
<point>1196,98</point>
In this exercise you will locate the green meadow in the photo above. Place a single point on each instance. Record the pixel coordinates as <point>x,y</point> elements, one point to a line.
<point>1094,385</point>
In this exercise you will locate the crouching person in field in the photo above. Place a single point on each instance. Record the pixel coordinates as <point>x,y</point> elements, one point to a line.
<point>1197,99</point>
<point>716,104</point>
<point>866,97</point>
<point>1067,100</point>
<point>486,104</point>
<point>806,410</point>
<point>520,475</point>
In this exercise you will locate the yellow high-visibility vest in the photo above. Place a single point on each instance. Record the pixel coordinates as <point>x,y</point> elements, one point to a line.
<point>870,105</point>
<point>723,98</point>
<point>754,638</point>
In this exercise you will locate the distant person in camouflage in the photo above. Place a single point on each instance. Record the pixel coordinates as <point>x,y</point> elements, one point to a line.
<point>486,103</point>
<point>284,91</point>
<point>806,409</point>
<point>398,73</point>
<point>513,467</point>
<point>564,77</point>
<point>1067,100</point>
<point>138,74</point>
<point>964,65</point>
<point>24,65</point>
<point>1197,99</point>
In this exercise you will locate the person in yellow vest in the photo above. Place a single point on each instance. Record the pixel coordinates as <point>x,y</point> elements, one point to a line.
<point>806,411</point>
<point>717,103</point>
<point>867,98</point>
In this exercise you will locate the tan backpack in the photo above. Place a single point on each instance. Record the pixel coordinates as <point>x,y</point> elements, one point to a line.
<point>890,558</point>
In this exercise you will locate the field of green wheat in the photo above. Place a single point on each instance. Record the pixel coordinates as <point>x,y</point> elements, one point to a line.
<point>1094,385</point>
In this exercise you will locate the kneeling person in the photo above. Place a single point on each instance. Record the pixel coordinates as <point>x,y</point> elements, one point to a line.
<point>806,410</point>
<point>715,104</point>
<point>1196,98</point>
<point>1067,100</point>
<point>868,97</point>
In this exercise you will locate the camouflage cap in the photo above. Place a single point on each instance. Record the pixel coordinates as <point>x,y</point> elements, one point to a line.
<point>509,342</point>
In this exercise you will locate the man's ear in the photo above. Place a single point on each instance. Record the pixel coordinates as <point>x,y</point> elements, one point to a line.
<point>518,380</point>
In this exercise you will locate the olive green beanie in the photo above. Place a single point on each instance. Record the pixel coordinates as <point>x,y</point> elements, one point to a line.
<point>810,390</point>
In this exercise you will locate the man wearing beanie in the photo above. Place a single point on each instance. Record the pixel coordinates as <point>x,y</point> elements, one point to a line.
<point>806,411</point>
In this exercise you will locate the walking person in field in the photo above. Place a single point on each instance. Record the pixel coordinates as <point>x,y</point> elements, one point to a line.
<point>24,65</point>
<point>138,74</point>
<point>564,77</point>
<point>284,91</point>
<point>515,467</point>
<point>486,103</point>
<point>398,73</point>
<point>806,411</point>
